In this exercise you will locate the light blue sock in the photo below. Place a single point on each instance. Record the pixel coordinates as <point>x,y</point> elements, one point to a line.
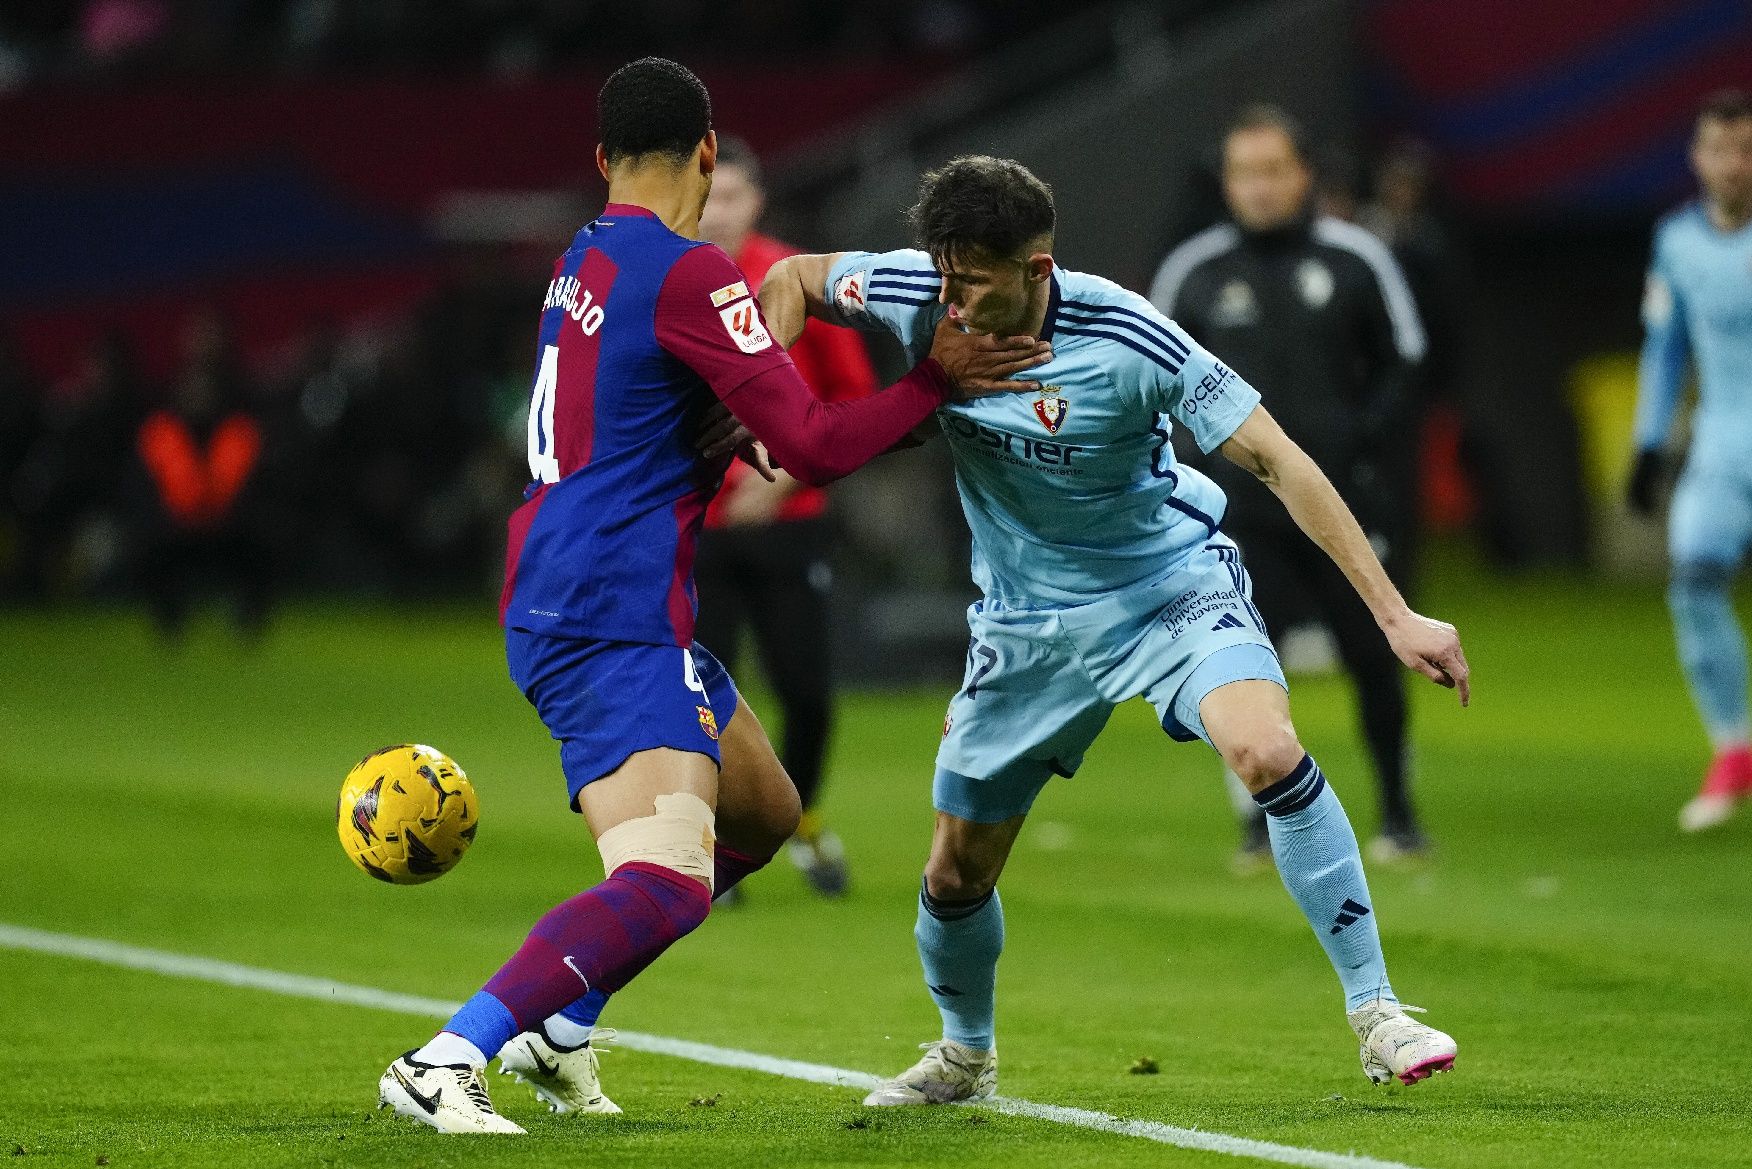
<point>959,944</point>
<point>1316,854</point>
<point>1712,648</point>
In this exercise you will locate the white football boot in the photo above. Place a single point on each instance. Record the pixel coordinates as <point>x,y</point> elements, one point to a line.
<point>566,1080</point>
<point>949,1072</point>
<point>1396,1045</point>
<point>448,1097</point>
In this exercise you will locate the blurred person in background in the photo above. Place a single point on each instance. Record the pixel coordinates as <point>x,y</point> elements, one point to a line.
<point>202,456</point>
<point>20,406</point>
<point>764,555</point>
<point>1317,316</point>
<point>1697,310</point>
<point>1400,215</point>
<point>68,487</point>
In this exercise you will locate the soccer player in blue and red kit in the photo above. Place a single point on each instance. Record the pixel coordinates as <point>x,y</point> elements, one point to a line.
<point>644,329</point>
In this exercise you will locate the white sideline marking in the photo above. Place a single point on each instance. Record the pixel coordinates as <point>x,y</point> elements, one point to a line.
<point>16,937</point>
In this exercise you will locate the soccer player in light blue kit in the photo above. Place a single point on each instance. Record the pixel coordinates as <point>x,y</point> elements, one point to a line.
<point>1698,310</point>
<point>1105,576</point>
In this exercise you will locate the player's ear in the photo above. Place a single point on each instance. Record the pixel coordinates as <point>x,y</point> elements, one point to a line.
<point>601,161</point>
<point>1039,267</point>
<point>709,152</point>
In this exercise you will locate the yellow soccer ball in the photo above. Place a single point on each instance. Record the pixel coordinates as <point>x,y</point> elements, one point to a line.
<point>407,813</point>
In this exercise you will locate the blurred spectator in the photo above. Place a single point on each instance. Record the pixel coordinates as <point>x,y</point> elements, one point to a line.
<point>1317,316</point>
<point>1466,443</point>
<point>115,30</point>
<point>763,560</point>
<point>68,485</point>
<point>505,37</point>
<point>1402,217</point>
<point>1338,185</point>
<point>202,456</point>
<point>20,404</point>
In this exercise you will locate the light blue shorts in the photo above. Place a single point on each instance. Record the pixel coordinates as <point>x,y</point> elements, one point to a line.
<point>1040,683</point>
<point>1711,520</point>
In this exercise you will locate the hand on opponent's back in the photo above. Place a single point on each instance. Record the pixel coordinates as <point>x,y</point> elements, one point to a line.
<point>721,433</point>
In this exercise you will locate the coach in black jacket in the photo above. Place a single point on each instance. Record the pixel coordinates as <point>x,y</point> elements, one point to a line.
<point>1315,314</point>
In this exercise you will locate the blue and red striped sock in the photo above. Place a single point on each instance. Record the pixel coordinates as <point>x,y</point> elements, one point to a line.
<point>599,940</point>
<point>570,1027</point>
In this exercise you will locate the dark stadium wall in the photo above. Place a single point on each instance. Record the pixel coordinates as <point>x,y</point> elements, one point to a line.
<point>288,202</point>
<point>1560,135</point>
<point>1550,107</point>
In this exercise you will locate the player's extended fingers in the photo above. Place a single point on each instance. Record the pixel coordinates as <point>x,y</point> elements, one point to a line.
<point>754,453</point>
<point>996,341</point>
<point>728,443</point>
<point>1429,669</point>
<point>718,427</point>
<point>1015,346</point>
<point>986,387</point>
<point>1457,669</point>
<point>990,370</point>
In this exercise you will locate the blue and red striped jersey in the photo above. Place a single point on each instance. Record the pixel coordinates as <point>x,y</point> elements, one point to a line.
<point>635,322</point>
<point>640,329</point>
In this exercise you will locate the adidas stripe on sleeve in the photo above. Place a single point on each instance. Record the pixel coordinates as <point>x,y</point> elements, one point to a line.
<point>892,291</point>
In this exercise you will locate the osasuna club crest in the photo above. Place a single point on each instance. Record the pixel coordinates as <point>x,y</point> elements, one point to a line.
<point>1051,409</point>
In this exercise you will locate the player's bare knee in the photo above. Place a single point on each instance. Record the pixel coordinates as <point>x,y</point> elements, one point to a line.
<point>1264,757</point>
<point>954,875</point>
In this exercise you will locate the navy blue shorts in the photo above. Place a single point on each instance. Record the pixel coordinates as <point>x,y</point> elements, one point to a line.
<point>607,700</point>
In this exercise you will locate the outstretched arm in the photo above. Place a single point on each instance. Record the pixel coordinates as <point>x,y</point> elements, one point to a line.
<point>706,319</point>
<point>791,294</point>
<point>1430,647</point>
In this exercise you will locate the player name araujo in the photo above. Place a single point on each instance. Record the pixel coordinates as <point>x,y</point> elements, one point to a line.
<point>1033,449</point>
<point>565,292</point>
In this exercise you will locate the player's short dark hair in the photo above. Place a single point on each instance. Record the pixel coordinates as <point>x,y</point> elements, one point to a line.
<point>652,106</point>
<point>1725,105</point>
<point>976,206</point>
<point>733,151</point>
<point>1264,115</point>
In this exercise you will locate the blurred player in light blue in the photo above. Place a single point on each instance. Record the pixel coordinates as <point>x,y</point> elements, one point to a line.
<point>1105,576</point>
<point>1698,310</point>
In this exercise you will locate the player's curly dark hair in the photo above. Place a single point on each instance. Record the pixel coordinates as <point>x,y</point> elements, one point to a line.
<point>976,207</point>
<point>652,106</point>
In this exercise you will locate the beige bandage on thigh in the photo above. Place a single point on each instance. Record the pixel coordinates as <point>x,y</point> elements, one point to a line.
<point>678,837</point>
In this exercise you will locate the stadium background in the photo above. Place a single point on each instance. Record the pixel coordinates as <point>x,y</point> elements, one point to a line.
<point>342,216</point>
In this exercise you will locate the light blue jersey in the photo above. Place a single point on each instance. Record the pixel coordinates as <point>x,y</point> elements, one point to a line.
<point>1104,574</point>
<point>1698,309</point>
<point>1072,494</point>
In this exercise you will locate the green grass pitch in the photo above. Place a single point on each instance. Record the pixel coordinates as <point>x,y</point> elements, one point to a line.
<point>1591,961</point>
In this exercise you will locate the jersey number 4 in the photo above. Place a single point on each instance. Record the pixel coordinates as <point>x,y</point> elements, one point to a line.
<point>580,299</point>
<point>544,464</point>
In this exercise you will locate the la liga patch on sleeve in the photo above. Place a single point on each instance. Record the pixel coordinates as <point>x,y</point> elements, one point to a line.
<point>742,321</point>
<point>848,292</point>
